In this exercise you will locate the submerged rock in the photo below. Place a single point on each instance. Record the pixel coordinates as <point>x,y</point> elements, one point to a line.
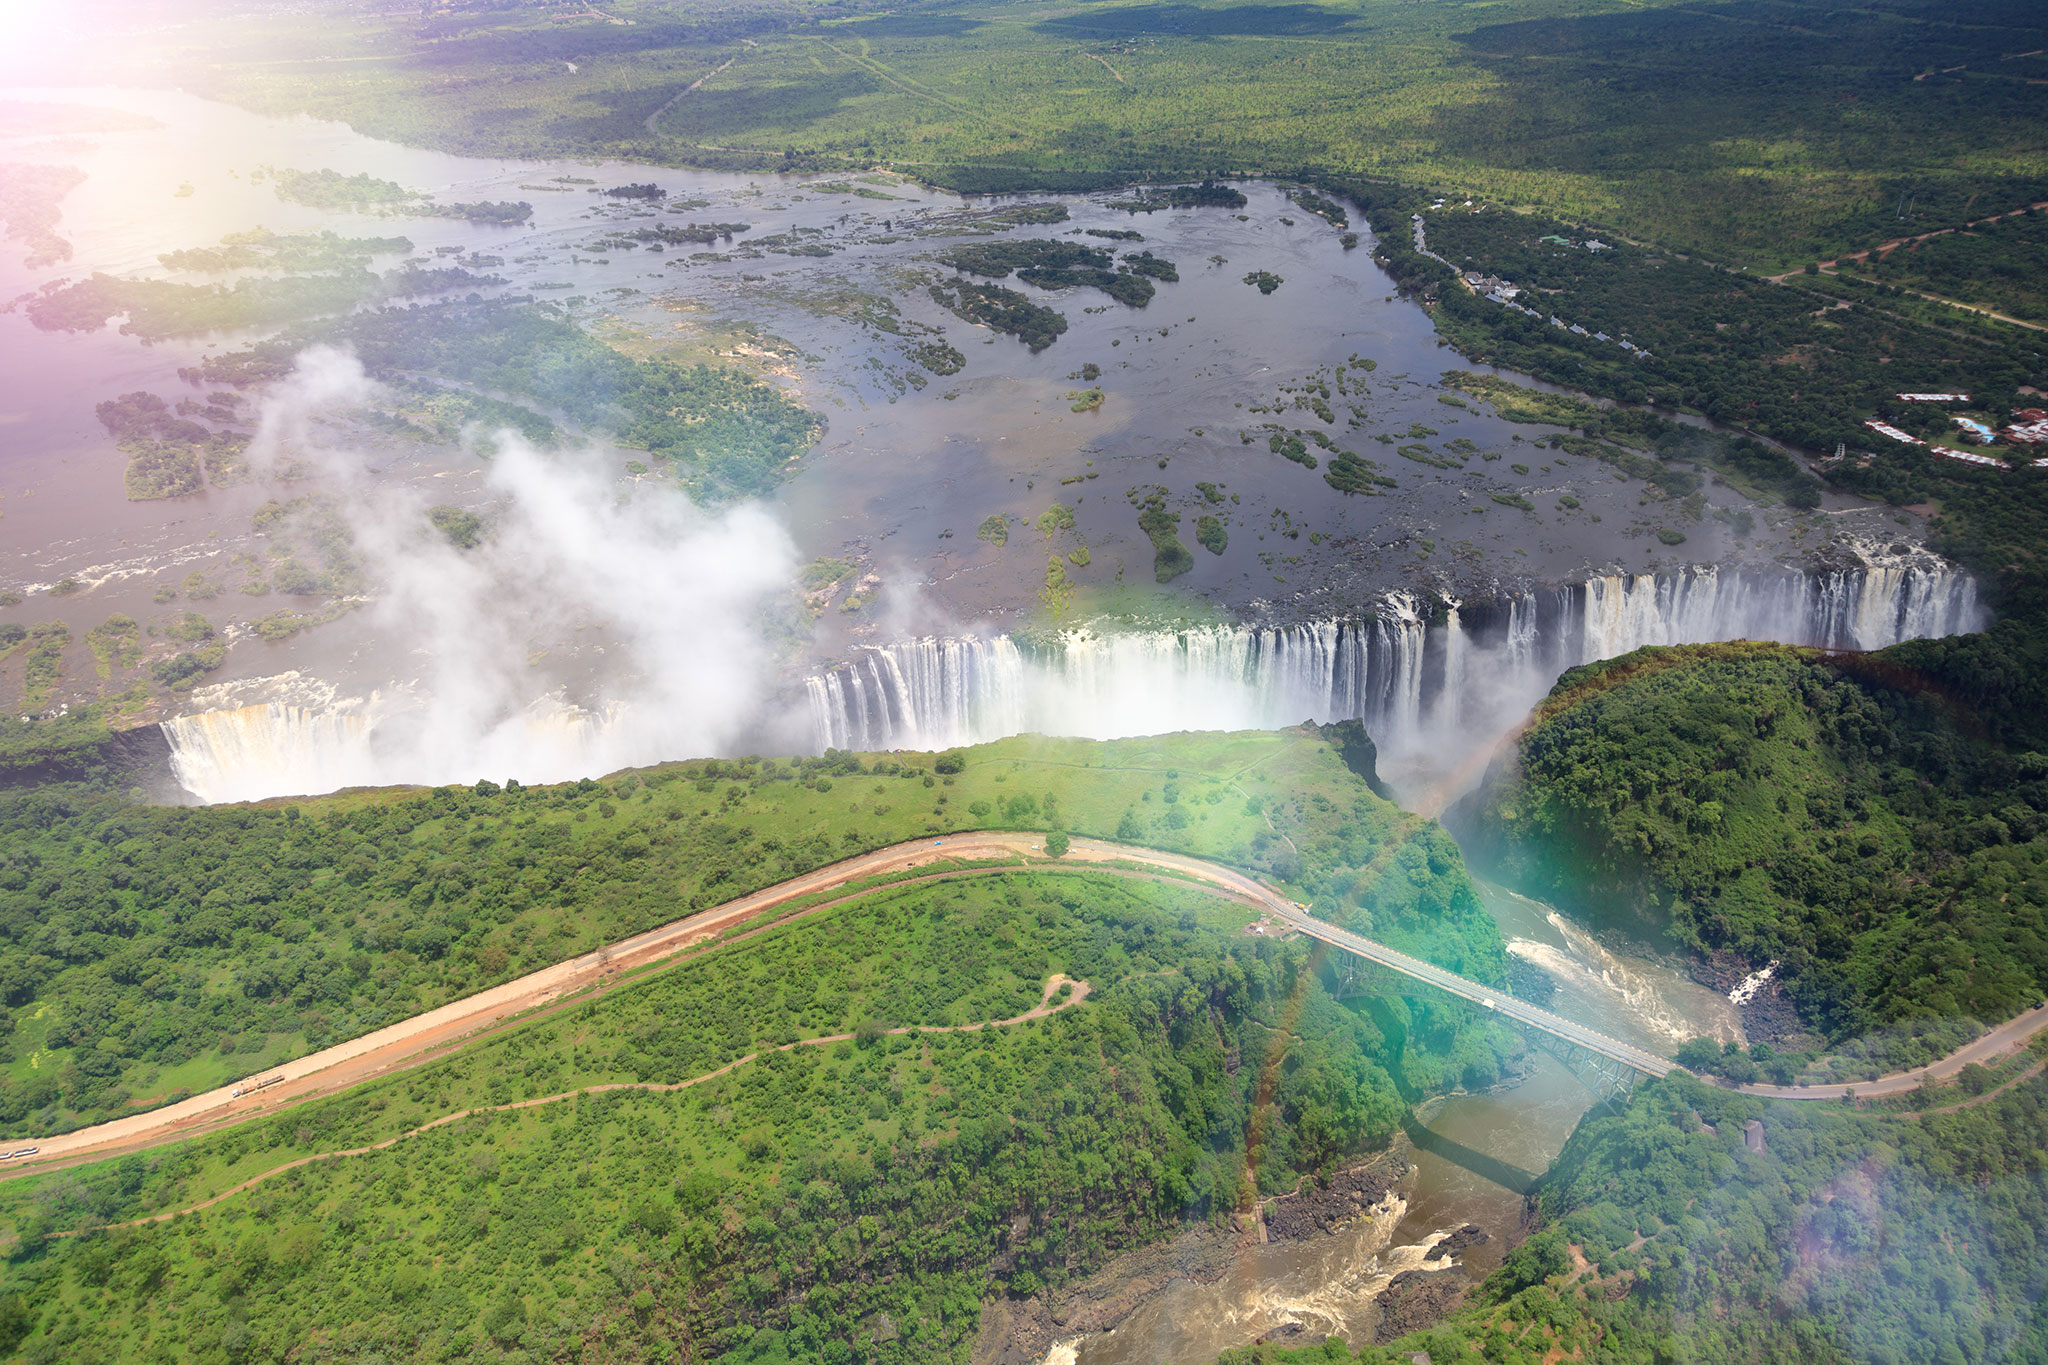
<point>1471,1235</point>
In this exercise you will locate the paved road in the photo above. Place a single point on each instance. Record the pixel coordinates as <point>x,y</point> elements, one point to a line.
<point>2007,1037</point>
<point>1487,997</point>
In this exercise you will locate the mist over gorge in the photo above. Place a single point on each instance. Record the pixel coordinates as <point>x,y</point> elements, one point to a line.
<point>677,593</point>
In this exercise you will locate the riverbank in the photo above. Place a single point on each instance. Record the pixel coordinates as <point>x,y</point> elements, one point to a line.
<point>1310,1263</point>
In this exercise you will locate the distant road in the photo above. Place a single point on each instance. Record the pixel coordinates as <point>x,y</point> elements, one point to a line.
<point>421,1039</point>
<point>2011,1034</point>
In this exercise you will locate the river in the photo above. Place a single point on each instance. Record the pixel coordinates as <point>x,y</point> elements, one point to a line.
<point>1472,1159</point>
<point>904,474</point>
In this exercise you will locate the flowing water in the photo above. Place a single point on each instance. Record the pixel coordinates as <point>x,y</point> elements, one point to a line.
<point>1436,695</point>
<point>1473,1159</point>
<point>1341,595</point>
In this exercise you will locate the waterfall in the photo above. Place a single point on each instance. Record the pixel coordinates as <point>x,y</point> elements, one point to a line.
<point>1437,684</point>
<point>1431,691</point>
<point>235,753</point>
<point>302,738</point>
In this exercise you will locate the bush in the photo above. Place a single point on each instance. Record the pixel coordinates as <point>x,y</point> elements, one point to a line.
<point>1698,1054</point>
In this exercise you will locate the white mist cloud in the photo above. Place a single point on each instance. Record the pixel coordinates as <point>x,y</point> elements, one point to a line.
<point>659,600</point>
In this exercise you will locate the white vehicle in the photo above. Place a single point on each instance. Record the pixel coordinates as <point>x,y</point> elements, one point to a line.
<point>26,1151</point>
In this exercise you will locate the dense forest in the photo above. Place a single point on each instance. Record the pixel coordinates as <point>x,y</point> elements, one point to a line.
<point>855,1200</point>
<point>147,952</point>
<point>1852,1237</point>
<point>1767,135</point>
<point>1640,324</point>
<point>1828,814</point>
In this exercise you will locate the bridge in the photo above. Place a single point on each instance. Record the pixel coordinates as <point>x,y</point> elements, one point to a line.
<point>1607,1066</point>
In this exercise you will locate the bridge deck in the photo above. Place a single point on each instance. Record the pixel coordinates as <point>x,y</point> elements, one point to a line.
<point>1488,997</point>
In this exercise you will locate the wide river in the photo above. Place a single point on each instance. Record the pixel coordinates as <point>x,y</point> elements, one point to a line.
<point>909,465</point>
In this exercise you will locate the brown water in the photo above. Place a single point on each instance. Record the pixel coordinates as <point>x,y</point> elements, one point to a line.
<point>1473,1157</point>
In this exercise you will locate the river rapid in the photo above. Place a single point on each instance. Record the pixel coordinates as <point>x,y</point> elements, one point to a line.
<point>1472,1158</point>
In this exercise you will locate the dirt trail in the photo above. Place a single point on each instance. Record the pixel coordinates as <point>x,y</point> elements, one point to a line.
<point>1883,249</point>
<point>1043,1008</point>
<point>1107,67</point>
<point>672,100</point>
<point>425,1037</point>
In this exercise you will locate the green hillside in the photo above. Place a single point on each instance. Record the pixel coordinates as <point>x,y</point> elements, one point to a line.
<point>149,952</point>
<point>1833,815</point>
<point>870,1191</point>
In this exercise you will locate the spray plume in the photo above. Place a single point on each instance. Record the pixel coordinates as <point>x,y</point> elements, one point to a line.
<point>677,589</point>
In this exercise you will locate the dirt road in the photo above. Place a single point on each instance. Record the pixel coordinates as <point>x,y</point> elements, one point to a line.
<point>427,1036</point>
<point>2011,1034</point>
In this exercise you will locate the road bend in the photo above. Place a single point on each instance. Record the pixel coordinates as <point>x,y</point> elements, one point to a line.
<point>425,1037</point>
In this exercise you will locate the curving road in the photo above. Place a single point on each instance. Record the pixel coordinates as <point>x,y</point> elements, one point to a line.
<point>2007,1037</point>
<point>424,1037</point>
<point>427,1036</point>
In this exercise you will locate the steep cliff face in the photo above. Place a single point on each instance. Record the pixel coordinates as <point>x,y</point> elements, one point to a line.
<point>1828,814</point>
<point>80,747</point>
<point>1437,683</point>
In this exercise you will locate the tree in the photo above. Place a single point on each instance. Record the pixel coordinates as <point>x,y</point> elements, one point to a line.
<point>1056,843</point>
<point>1698,1054</point>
